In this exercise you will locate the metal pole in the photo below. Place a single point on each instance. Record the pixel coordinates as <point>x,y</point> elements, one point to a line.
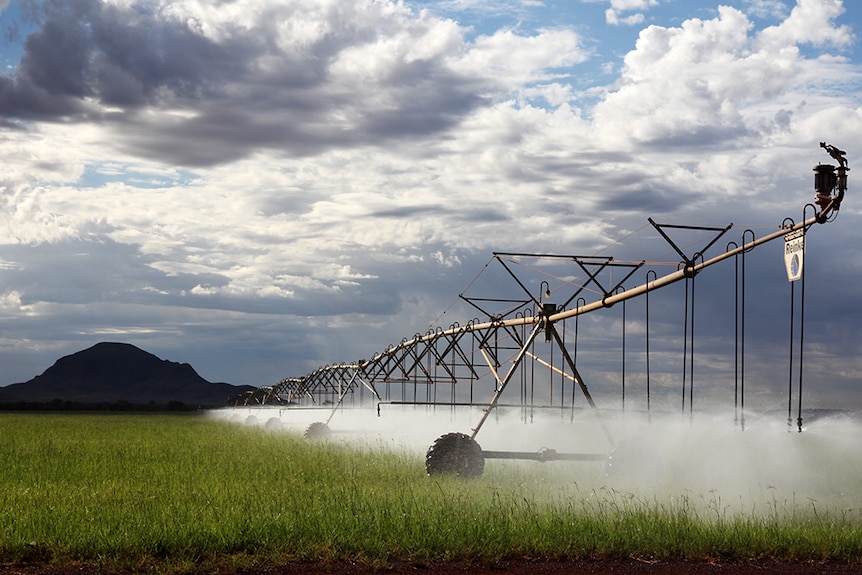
<point>802,325</point>
<point>502,382</point>
<point>684,344</point>
<point>735,338</point>
<point>790,368</point>
<point>691,359</point>
<point>649,413</point>
<point>624,357</point>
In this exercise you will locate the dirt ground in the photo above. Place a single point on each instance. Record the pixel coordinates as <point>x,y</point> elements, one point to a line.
<point>520,567</point>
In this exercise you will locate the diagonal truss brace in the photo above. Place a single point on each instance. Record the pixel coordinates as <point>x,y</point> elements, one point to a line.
<point>689,261</point>
<point>522,353</point>
<point>347,387</point>
<point>501,383</point>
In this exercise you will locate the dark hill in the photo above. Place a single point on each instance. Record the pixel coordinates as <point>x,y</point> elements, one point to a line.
<point>120,372</point>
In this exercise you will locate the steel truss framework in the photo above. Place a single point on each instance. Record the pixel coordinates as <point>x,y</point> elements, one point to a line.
<point>473,364</point>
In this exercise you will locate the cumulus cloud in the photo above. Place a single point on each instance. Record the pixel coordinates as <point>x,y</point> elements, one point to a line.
<point>319,168</point>
<point>490,7</point>
<point>633,4</point>
<point>766,8</point>
<point>198,85</point>
<point>705,81</point>
<point>810,22</point>
<point>614,17</point>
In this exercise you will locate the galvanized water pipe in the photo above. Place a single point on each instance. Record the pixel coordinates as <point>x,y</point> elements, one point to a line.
<point>607,301</point>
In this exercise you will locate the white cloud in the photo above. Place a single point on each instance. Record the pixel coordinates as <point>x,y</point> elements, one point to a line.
<point>624,5</point>
<point>810,22</point>
<point>767,8</point>
<point>10,302</point>
<point>612,17</point>
<point>706,80</point>
<point>514,60</point>
<point>491,7</point>
<point>341,163</point>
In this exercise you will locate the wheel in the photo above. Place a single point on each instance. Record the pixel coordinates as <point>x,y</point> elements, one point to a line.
<point>274,424</point>
<point>455,454</point>
<point>317,430</point>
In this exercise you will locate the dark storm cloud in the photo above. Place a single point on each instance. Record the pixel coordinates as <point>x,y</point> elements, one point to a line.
<point>703,137</point>
<point>298,123</point>
<point>429,97</point>
<point>89,61</point>
<point>466,215</point>
<point>87,271</point>
<point>641,200</point>
<point>115,56</point>
<point>410,212</point>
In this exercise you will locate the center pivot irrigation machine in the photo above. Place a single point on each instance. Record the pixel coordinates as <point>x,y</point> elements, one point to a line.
<point>523,340</point>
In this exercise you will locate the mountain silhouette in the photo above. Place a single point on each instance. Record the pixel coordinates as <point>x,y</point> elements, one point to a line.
<point>120,372</point>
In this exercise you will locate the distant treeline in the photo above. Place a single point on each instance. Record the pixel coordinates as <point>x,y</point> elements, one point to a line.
<point>63,405</point>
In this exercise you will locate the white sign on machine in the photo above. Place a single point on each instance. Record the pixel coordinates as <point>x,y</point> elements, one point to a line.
<point>794,252</point>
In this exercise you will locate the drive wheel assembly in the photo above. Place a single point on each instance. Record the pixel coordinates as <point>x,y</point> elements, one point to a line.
<point>317,430</point>
<point>455,454</point>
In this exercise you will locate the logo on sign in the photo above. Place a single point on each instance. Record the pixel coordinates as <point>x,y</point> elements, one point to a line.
<point>794,253</point>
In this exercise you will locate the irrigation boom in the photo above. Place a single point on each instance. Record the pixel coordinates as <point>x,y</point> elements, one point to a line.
<point>685,272</point>
<point>496,349</point>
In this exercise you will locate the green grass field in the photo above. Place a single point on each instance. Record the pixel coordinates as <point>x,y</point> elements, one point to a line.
<point>179,491</point>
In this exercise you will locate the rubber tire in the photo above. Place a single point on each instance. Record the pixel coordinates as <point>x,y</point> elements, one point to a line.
<point>317,430</point>
<point>455,454</point>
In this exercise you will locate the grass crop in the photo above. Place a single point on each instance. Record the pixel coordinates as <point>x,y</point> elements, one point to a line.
<point>133,491</point>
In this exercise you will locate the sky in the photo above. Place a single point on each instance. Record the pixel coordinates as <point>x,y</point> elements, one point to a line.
<point>261,187</point>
